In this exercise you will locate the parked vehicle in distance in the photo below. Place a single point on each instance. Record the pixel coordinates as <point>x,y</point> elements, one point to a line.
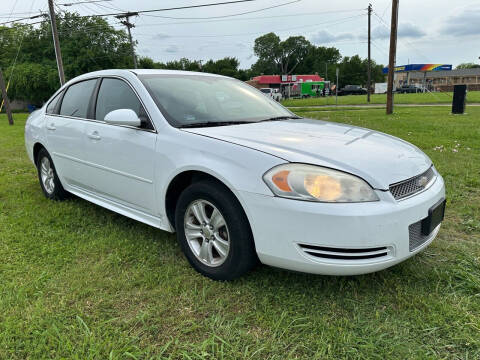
<point>311,88</point>
<point>237,176</point>
<point>272,93</point>
<point>352,90</point>
<point>408,89</point>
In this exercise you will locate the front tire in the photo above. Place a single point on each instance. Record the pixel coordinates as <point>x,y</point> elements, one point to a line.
<point>48,177</point>
<point>213,231</point>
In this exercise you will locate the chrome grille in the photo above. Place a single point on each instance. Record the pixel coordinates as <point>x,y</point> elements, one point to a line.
<point>345,253</point>
<point>416,238</point>
<point>413,185</point>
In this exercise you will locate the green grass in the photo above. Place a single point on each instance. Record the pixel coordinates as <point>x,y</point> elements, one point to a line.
<point>81,282</point>
<point>427,98</point>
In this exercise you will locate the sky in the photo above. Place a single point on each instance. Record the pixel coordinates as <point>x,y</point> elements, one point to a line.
<point>440,31</point>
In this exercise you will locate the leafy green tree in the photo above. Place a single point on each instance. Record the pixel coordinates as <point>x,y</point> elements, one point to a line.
<point>276,56</point>
<point>33,82</point>
<point>320,59</point>
<point>87,43</point>
<point>353,71</point>
<point>227,66</point>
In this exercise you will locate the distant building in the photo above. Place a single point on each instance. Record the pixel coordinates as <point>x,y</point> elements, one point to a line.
<point>445,80</point>
<point>436,77</point>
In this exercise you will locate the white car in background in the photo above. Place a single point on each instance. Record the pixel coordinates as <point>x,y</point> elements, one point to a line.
<point>238,177</point>
<point>272,93</point>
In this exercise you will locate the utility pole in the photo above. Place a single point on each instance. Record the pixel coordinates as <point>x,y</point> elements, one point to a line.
<point>56,43</point>
<point>337,72</point>
<point>393,53</point>
<point>5,99</point>
<point>129,25</point>
<point>369,70</point>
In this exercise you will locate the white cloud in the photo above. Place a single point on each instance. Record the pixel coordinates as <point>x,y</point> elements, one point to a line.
<point>405,30</point>
<point>325,36</point>
<point>171,49</point>
<point>464,22</point>
<point>160,36</point>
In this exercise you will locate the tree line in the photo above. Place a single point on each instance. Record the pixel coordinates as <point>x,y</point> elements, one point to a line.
<point>90,43</point>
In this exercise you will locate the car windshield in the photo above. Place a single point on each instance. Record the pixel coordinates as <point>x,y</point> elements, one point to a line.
<point>188,100</point>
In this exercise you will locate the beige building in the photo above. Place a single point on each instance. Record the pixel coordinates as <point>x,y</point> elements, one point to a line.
<point>441,80</point>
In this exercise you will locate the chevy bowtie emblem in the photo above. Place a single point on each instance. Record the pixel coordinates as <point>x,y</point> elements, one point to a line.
<point>422,181</point>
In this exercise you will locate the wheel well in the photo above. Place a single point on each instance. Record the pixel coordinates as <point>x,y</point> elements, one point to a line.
<point>180,183</point>
<point>36,149</point>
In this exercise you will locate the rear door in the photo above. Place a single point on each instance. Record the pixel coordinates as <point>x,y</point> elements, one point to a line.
<point>122,157</point>
<point>65,123</point>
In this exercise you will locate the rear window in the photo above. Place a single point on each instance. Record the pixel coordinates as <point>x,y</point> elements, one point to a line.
<point>77,98</point>
<point>52,106</point>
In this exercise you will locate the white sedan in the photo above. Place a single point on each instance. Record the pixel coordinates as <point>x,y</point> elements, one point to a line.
<point>240,178</point>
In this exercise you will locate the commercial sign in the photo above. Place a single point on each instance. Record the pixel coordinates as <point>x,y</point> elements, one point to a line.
<point>420,67</point>
<point>289,78</point>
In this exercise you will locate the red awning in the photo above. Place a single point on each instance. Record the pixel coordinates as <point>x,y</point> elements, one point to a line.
<point>277,79</point>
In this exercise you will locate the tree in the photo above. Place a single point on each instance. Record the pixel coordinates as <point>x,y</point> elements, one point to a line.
<point>33,82</point>
<point>276,56</point>
<point>468,66</point>
<point>316,59</point>
<point>227,66</point>
<point>88,44</point>
<point>353,71</point>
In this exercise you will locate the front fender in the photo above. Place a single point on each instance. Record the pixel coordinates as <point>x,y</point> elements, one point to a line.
<point>238,167</point>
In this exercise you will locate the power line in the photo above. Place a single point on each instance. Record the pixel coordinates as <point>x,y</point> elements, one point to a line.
<point>331,22</point>
<point>224,16</point>
<point>250,18</point>
<point>146,11</point>
<point>83,2</point>
<point>21,19</point>
<point>402,41</point>
<point>178,8</point>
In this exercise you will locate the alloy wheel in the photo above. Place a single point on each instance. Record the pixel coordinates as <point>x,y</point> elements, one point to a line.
<point>207,233</point>
<point>47,174</point>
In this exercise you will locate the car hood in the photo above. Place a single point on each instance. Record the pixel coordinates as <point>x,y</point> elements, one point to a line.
<point>378,158</point>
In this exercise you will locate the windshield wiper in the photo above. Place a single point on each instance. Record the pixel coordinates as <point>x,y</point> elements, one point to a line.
<point>275,118</point>
<point>214,123</point>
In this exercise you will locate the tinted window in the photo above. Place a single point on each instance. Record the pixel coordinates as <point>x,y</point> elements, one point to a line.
<point>266,91</point>
<point>53,104</point>
<point>76,99</point>
<point>187,100</point>
<point>116,94</point>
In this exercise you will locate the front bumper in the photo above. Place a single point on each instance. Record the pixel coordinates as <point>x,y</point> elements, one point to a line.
<point>286,231</point>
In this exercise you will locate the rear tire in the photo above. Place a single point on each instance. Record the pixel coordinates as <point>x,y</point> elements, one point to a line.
<point>48,177</point>
<point>213,231</point>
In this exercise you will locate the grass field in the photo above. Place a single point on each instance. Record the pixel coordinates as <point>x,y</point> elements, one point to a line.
<point>81,282</point>
<point>428,98</point>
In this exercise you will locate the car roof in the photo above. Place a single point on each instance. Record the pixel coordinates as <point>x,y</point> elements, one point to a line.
<point>146,72</point>
<point>129,72</point>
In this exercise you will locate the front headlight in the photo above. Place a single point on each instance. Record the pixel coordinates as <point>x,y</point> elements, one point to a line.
<point>316,183</point>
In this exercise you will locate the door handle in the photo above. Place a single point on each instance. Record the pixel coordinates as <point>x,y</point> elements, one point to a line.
<point>51,126</point>
<point>94,136</point>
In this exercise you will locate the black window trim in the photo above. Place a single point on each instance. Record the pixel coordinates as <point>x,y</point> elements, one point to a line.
<point>93,102</point>
<point>95,99</point>
<point>60,92</point>
<point>65,89</point>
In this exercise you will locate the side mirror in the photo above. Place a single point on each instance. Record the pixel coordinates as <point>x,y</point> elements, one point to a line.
<point>123,117</point>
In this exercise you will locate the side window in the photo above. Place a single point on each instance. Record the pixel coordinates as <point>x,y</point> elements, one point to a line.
<point>77,98</point>
<point>116,94</point>
<point>52,106</point>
